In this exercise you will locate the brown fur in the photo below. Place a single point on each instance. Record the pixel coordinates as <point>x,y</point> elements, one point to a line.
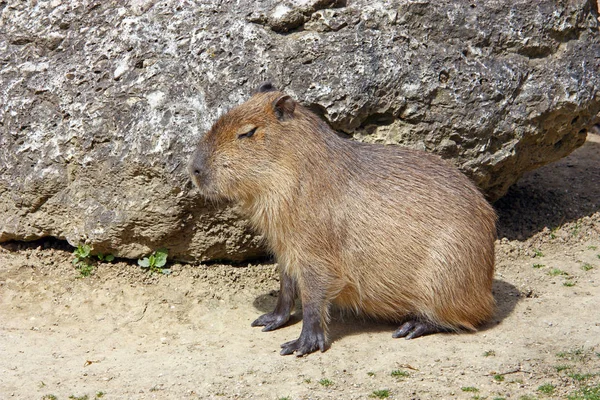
<point>385,231</point>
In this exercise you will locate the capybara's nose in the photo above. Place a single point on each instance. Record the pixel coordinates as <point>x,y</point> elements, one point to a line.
<point>196,167</point>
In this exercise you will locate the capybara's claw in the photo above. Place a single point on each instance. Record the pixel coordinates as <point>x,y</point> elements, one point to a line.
<point>413,329</point>
<point>305,344</point>
<point>271,321</point>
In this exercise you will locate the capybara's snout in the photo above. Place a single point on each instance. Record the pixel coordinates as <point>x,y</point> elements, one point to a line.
<point>197,167</point>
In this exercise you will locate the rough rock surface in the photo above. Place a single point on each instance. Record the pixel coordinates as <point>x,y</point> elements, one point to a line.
<point>101,102</point>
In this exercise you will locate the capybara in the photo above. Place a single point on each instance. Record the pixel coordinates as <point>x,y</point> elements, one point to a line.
<point>385,231</point>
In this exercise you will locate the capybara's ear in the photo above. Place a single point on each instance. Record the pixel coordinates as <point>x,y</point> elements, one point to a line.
<point>266,87</point>
<point>284,107</point>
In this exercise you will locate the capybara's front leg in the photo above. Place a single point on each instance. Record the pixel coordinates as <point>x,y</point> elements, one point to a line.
<point>285,303</point>
<point>312,337</point>
<point>314,317</point>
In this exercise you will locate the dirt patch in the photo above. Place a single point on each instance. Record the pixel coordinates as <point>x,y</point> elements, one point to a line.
<point>123,333</point>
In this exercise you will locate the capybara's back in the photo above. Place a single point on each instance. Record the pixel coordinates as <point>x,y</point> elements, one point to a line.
<point>385,231</point>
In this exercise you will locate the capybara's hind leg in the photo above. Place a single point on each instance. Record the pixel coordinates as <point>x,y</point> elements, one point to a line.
<point>285,304</point>
<point>415,328</point>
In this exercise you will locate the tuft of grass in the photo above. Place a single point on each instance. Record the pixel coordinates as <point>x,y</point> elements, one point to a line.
<point>307,380</point>
<point>285,398</point>
<point>380,394</point>
<point>577,354</point>
<point>499,378</point>
<point>556,272</point>
<point>538,266</point>
<point>592,247</point>
<point>325,382</point>
<point>546,388</point>
<point>537,253</point>
<point>569,283</point>
<point>579,377</point>
<point>155,261</point>
<point>527,397</point>
<point>370,373</point>
<point>586,393</point>
<point>100,394</point>
<point>499,398</point>
<point>84,397</point>
<point>399,373</point>
<point>469,389</point>
<point>576,228</point>
<point>560,368</point>
<point>587,267</point>
<point>49,397</point>
<point>489,353</point>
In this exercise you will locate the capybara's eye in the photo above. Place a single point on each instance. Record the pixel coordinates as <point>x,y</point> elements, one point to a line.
<point>247,134</point>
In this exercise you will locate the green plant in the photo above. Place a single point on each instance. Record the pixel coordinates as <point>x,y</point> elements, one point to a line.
<point>556,272</point>
<point>82,259</point>
<point>546,388</point>
<point>498,398</point>
<point>499,377</point>
<point>569,283</point>
<point>489,353</point>
<point>307,380</point>
<point>100,394</point>
<point>577,354</point>
<point>285,398</point>
<point>469,389</point>
<point>579,377</point>
<point>105,257</point>
<point>587,267</point>
<point>84,397</point>
<point>538,265</point>
<point>325,382</point>
<point>592,247</point>
<point>155,261</point>
<point>371,373</point>
<point>399,373</point>
<point>49,397</point>
<point>527,397</point>
<point>586,393</point>
<point>575,229</point>
<point>560,368</point>
<point>537,253</point>
<point>380,394</point>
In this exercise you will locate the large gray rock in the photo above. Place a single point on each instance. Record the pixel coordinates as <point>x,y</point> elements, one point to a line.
<point>102,103</point>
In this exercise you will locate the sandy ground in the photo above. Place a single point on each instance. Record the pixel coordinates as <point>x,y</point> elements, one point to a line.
<point>124,333</point>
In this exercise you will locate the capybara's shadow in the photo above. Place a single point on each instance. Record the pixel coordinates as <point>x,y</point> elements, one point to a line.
<point>553,195</point>
<point>345,324</point>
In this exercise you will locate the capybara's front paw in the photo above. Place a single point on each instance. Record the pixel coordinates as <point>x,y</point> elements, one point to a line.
<point>305,344</point>
<point>271,321</point>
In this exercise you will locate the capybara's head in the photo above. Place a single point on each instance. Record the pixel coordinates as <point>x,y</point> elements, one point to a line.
<point>244,149</point>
